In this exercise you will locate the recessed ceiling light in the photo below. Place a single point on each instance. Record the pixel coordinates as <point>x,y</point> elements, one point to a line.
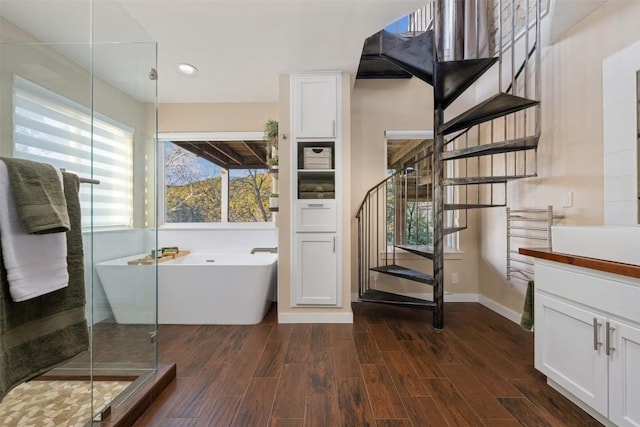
<point>187,69</point>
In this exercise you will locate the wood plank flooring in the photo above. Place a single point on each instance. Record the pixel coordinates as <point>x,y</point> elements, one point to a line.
<point>386,369</point>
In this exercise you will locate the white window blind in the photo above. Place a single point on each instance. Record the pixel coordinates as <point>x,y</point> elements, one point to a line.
<point>50,128</point>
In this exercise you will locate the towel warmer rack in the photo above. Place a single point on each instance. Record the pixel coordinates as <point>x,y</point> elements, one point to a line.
<point>523,227</point>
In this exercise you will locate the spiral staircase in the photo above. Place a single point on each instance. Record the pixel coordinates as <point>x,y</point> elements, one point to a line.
<point>473,154</point>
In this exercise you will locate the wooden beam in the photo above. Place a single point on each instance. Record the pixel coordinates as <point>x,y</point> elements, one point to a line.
<point>248,166</point>
<point>404,150</point>
<point>201,151</point>
<point>253,147</point>
<point>226,151</point>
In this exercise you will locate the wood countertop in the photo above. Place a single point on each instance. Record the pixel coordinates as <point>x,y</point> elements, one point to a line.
<point>629,270</point>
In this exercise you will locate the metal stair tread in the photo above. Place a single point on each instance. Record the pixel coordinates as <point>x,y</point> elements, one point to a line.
<point>518,144</point>
<point>405,273</point>
<point>483,179</point>
<point>459,206</point>
<point>452,78</point>
<point>497,106</point>
<point>379,68</point>
<point>381,41</point>
<point>422,250</point>
<point>451,230</point>
<point>374,295</point>
<point>414,56</point>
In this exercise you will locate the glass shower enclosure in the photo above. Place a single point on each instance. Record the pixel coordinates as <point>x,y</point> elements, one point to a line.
<point>78,90</point>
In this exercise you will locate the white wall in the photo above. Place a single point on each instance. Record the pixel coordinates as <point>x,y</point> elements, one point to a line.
<point>218,240</point>
<point>620,115</point>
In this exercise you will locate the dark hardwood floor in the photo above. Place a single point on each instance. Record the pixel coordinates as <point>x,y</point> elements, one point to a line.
<point>386,369</point>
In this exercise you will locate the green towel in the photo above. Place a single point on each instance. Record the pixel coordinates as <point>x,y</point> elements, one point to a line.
<point>38,196</point>
<point>526,322</point>
<point>40,333</point>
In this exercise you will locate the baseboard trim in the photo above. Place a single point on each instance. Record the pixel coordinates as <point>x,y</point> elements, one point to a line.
<point>500,309</point>
<point>341,317</point>
<point>452,297</point>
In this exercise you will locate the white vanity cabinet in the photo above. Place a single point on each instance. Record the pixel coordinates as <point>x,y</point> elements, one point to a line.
<point>315,105</point>
<point>587,337</point>
<point>316,189</point>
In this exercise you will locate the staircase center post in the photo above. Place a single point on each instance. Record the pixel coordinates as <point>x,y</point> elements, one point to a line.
<point>438,176</point>
<point>438,221</point>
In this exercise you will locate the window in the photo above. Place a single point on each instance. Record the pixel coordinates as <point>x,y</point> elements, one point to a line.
<point>249,191</point>
<point>192,187</point>
<point>197,190</point>
<point>50,128</point>
<point>409,158</point>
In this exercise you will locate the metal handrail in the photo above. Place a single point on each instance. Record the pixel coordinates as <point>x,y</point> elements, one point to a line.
<point>392,176</point>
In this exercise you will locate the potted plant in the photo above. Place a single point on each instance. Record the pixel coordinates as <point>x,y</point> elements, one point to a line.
<point>273,200</point>
<point>271,139</point>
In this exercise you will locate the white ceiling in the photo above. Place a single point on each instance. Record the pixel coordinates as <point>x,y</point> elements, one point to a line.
<point>239,46</point>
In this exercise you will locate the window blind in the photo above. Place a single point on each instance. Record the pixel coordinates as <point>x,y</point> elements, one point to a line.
<point>50,128</point>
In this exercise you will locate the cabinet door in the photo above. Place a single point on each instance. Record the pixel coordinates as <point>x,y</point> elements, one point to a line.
<point>316,279</point>
<point>565,337</point>
<point>315,106</point>
<point>624,375</point>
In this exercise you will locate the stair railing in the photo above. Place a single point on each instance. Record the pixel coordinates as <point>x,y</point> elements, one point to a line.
<point>517,38</point>
<point>396,211</point>
<point>421,20</point>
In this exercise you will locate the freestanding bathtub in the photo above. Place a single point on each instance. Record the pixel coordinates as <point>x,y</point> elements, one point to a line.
<point>219,289</point>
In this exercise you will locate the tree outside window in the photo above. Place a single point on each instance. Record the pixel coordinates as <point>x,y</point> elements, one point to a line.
<point>194,189</point>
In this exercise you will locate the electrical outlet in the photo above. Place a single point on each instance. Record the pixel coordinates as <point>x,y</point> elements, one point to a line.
<point>455,279</point>
<point>567,199</point>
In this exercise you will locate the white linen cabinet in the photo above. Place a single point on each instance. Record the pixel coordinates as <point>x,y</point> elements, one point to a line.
<point>587,337</point>
<point>316,188</point>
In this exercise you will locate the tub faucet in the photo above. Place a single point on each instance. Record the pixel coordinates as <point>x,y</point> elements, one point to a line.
<point>270,250</point>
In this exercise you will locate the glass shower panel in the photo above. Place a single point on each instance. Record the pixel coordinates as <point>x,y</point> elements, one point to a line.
<point>124,233</point>
<point>78,91</point>
<point>124,236</point>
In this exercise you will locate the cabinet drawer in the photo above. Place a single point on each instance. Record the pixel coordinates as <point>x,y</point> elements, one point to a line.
<point>607,292</point>
<point>316,216</point>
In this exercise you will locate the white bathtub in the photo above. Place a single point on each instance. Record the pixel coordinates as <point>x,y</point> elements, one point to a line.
<point>219,289</point>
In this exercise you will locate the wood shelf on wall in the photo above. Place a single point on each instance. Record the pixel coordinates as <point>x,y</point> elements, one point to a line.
<point>273,209</point>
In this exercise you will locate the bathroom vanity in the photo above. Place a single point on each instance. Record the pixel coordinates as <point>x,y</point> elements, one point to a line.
<point>587,332</point>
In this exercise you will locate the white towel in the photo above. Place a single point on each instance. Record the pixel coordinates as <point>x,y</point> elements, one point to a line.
<point>36,264</point>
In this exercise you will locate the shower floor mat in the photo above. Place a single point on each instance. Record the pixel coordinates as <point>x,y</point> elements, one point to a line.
<point>56,403</point>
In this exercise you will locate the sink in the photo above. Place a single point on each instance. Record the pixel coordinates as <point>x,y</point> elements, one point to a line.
<point>611,243</point>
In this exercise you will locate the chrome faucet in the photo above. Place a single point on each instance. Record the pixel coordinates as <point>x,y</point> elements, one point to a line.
<point>269,250</point>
